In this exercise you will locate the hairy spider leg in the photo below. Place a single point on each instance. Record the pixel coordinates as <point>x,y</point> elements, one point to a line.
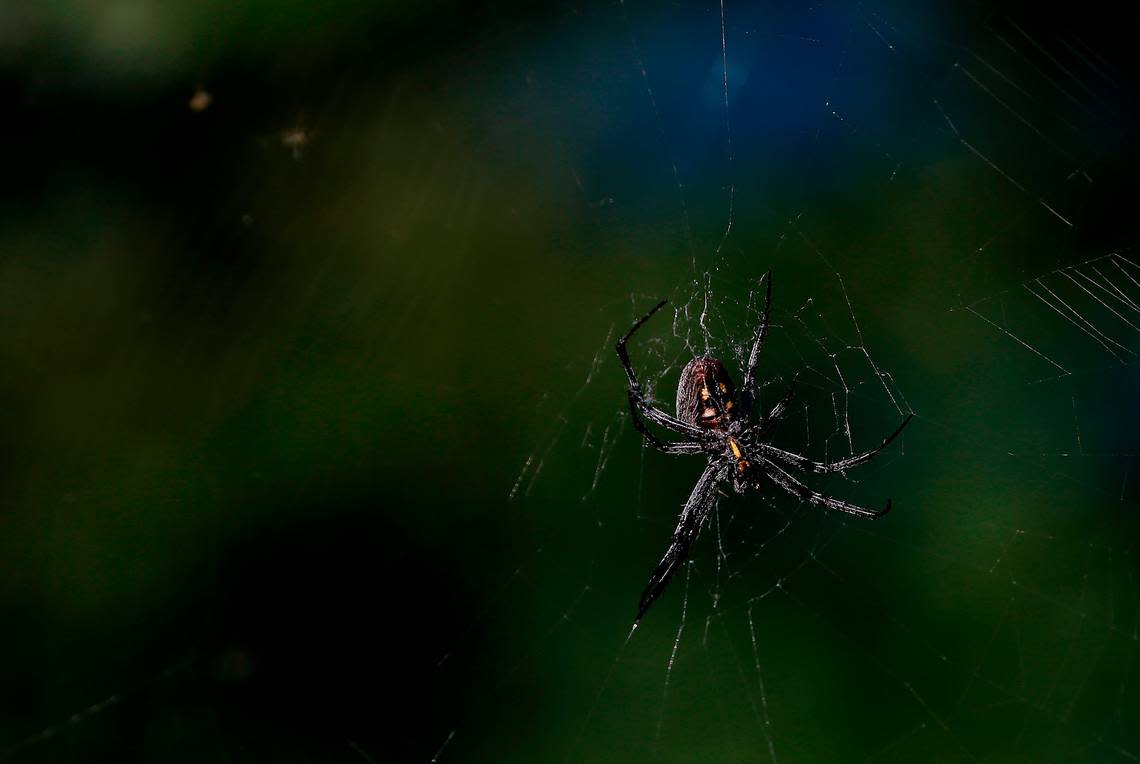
<point>821,468</point>
<point>637,402</point>
<point>798,489</point>
<point>748,388</point>
<point>679,447</point>
<point>696,509</point>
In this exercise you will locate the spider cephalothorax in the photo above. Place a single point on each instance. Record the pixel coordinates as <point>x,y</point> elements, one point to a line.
<point>714,420</point>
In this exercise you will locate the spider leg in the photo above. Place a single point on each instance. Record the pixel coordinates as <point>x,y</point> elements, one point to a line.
<point>660,418</point>
<point>637,400</point>
<point>799,462</point>
<point>798,489</point>
<point>683,447</point>
<point>689,524</point>
<point>747,390</point>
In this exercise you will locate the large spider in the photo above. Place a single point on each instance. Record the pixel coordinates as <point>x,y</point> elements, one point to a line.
<point>715,421</point>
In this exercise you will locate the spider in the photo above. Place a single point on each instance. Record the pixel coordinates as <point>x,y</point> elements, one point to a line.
<point>715,421</point>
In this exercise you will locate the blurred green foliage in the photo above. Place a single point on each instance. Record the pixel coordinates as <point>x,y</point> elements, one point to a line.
<point>271,366</point>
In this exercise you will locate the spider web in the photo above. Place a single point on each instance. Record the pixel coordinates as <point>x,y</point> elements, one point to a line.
<point>994,615</point>
<point>942,198</point>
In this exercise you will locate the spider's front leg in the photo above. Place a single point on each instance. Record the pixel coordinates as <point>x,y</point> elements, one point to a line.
<point>637,402</point>
<point>683,447</point>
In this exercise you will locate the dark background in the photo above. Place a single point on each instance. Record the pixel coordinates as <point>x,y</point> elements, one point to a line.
<point>314,447</point>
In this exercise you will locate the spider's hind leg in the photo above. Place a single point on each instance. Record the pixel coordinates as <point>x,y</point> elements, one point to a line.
<point>696,509</point>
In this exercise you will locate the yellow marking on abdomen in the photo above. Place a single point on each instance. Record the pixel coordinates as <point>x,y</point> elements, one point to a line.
<point>735,448</point>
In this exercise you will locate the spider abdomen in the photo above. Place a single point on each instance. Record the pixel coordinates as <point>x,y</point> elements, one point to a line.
<point>706,396</point>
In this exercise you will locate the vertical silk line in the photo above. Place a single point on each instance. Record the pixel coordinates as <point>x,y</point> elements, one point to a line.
<point>727,131</point>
